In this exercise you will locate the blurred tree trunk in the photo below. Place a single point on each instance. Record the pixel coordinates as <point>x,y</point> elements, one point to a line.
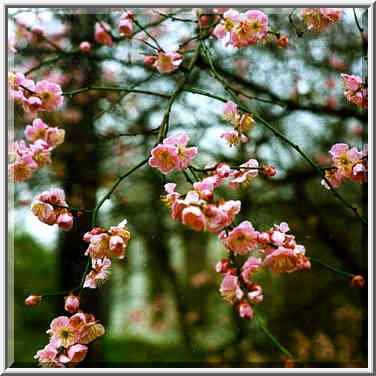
<point>81,158</point>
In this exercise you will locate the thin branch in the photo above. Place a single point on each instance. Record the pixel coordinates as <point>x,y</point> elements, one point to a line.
<point>357,22</point>
<point>332,268</point>
<point>113,88</point>
<point>280,135</point>
<point>148,34</point>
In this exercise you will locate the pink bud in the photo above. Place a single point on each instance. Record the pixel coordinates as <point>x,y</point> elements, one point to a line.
<point>85,46</point>
<point>223,266</point>
<point>283,41</point>
<point>245,311</point>
<point>303,263</point>
<point>38,30</point>
<point>269,170</point>
<point>32,300</point>
<point>357,281</point>
<point>72,303</point>
<point>126,27</point>
<point>149,60</point>
<point>204,20</point>
<point>65,221</point>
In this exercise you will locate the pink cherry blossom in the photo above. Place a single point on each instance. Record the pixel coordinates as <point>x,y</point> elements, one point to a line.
<point>194,218</point>
<point>99,273</point>
<point>246,123</point>
<point>242,239</point>
<point>168,62</point>
<point>50,95</point>
<point>47,356</point>
<point>355,91</point>
<point>117,246</point>
<point>165,157</point>
<point>54,136</point>
<point>230,112</point>
<point>241,176</point>
<point>234,138</point>
<point>230,289</point>
<point>319,18</point>
<point>44,212</point>
<point>36,131</point>
<point>250,267</point>
<point>219,31</point>
<point>62,334</point>
<point>77,353</point>
<point>185,154</point>
<point>248,29</point>
<point>282,260</point>
<point>99,246</point>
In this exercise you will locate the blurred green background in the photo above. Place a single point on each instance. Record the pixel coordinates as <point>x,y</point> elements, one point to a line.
<point>161,306</point>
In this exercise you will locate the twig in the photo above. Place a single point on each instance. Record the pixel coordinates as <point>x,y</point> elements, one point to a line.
<point>113,88</point>
<point>280,135</point>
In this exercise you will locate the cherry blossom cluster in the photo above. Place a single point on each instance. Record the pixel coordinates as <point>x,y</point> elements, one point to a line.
<point>244,29</point>
<point>172,154</point>
<point>242,124</point>
<point>241,175</point>
<point>198,209</point>
<point>348,163</point>
<point>68,339</point>
<point>319,19</point>
<point>51,208</point>
<point>103,245</point>
<point>275,249</point>
<point>355,91</point>
<point>24,160</point>
<point>164,62</point>
<point>41,96</point>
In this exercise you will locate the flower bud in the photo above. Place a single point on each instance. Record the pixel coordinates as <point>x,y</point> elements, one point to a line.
<point>149,60</point>
<point>283,41</point>
<point>65,221</point>
<point>72,303</point>
<point>32,300</point>
<point>223,266</point>
<point>269,170</point>
<point>85,46</point>
<point>245,310</point>
<point>289,363</point>
<point>357,281</point>
<point>126,27</point>
<point>204,20</point>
